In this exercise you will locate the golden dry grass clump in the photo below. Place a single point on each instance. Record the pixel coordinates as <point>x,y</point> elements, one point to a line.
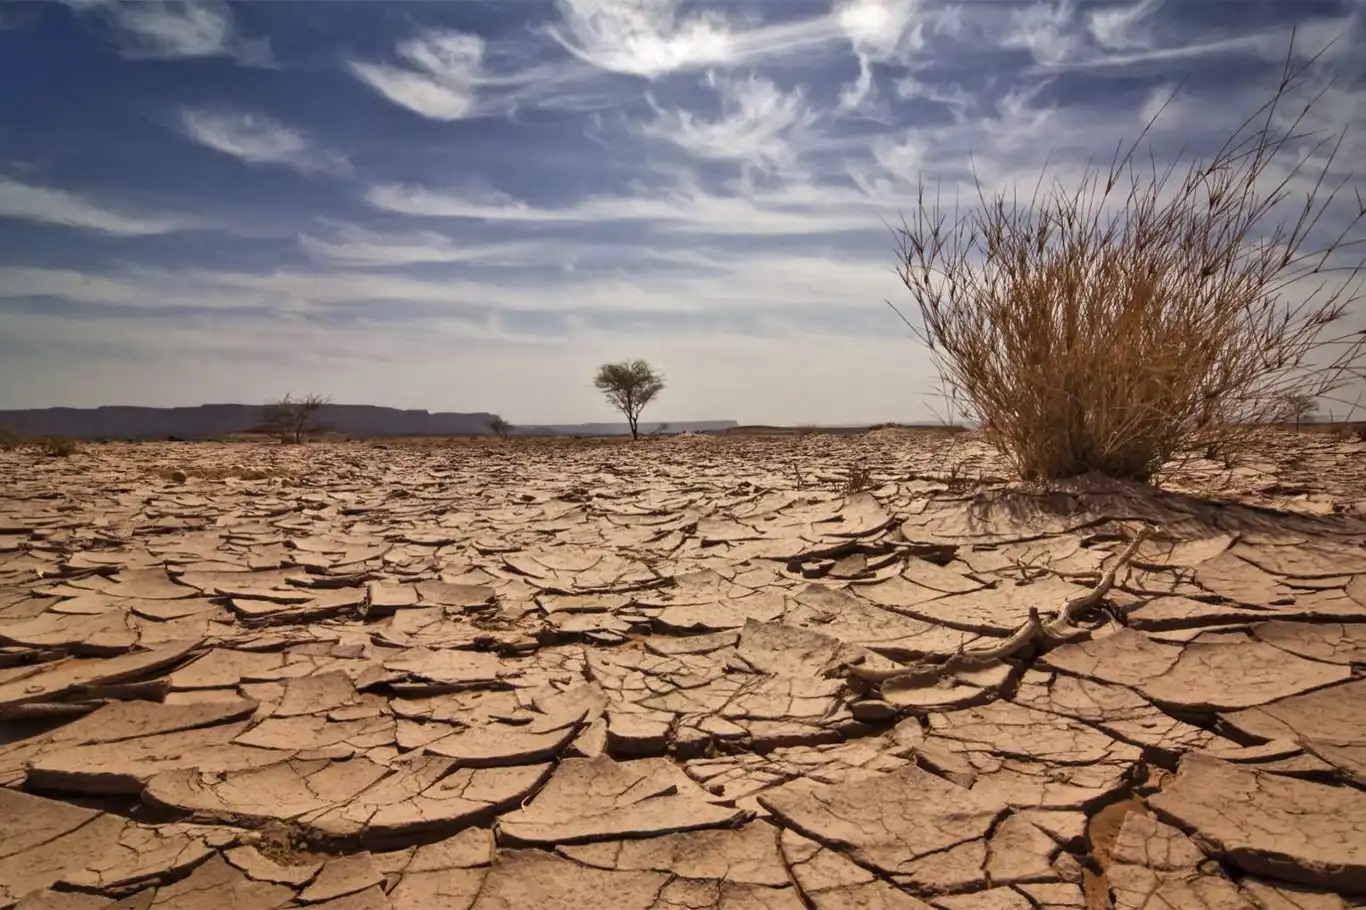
<point>1149,310</point>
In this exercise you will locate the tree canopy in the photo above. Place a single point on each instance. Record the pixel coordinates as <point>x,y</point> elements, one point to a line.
<point>629,386</point>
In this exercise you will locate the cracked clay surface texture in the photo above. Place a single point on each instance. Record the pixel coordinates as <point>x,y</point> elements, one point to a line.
<point>692,673</point>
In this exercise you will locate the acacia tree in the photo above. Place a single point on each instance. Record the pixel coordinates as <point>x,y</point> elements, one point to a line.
<point>1300,407</point>
<point>293,419</point>
<point>629,386</point>
<point>499,426</point>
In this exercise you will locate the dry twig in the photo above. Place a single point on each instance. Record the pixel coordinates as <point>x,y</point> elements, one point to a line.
<point>1035,632</point>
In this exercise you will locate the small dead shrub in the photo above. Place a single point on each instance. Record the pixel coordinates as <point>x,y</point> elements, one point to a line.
<point>57,446</point>
<point>860,479</point>
<point>292,420</point>
<point>1147,311</point>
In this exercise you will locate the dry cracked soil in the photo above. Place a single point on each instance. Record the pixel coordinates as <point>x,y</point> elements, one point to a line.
<point>687,674</point>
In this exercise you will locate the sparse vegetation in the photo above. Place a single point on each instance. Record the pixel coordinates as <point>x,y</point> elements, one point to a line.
<point>629,386</point>
<point>292,420</point>
<point>1300,408</point>
<point>859,479</point>
<point>500,427</point>
<point>9,439</point>
<point>57,446</point>
<point>1146,311</point>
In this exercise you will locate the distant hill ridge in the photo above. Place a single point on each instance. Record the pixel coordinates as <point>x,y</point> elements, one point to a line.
<point>209,420</point>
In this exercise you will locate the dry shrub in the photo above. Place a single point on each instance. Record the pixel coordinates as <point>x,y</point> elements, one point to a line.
<point>57,446</point>
<point>1148,310</point>
<point>858,480</point>
<point>292,420</point>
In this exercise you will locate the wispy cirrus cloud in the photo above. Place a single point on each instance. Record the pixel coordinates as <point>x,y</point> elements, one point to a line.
<point>793,209</point>
<point>44,205</point>
<point>256,139</point>
<point>440,80</point>
<point>1061,36</point>
<point>653,38</point>
<point>644,37</point>
<point>173,29</point>
<point>759,124</point>
<point>353,246</point>
<point>732,285</point>
<point>878,31</point>
<point>450,75</point>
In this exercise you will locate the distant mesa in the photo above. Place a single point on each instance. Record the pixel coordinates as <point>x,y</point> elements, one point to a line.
<point>214,420</point>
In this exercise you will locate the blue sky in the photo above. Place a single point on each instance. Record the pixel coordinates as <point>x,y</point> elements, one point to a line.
<point>468,205</point>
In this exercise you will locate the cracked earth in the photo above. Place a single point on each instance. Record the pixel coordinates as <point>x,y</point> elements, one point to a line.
<point>688,674</point>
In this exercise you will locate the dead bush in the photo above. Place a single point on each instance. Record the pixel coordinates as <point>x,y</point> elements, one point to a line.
<point>1107,326</point>
<point>57,446</point>
<point>858,480</point>
<point>292,420</point>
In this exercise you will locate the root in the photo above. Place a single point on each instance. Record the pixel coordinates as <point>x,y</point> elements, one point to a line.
<point>1035,632</point>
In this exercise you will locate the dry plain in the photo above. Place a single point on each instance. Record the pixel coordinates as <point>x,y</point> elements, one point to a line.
<point>694,673</point>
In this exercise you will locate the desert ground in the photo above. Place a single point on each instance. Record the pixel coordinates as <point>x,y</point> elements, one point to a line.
<point>692,673</point>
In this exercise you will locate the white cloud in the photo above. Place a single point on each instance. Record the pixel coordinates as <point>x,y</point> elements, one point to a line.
<point>644,37</point>
<point>48,206</point>
<point>1121,27</point>
<point>441,80</point>
<point>171,29</point>
<point>257,139</point>
<point>792,210</point>
<point>953,96</point>
<point>728,285</point>
<point>879,30</point>
<point>759,124</point>
<point>353,246</point>
<point>652,38</point>
<point>1061,36</point>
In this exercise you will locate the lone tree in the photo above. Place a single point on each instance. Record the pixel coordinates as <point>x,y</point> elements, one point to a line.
<point>293,419</point>
<point>1299,407</point>
<point>499,426</point>
<point>629,385</point>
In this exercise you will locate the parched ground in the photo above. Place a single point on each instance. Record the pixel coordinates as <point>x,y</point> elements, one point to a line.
<point>689,674</point>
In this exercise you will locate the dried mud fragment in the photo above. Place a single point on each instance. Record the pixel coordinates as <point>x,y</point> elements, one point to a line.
<point>829,881</point>
<point>601,799</point>
<point>532,878</point>
<point>1249,672</point>
<point>1156,866</point>
<point>57,680</point>
<point>216,885</point>
<point>1329,723</point>
<point>906,823</point>
<point>1266,824</point>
